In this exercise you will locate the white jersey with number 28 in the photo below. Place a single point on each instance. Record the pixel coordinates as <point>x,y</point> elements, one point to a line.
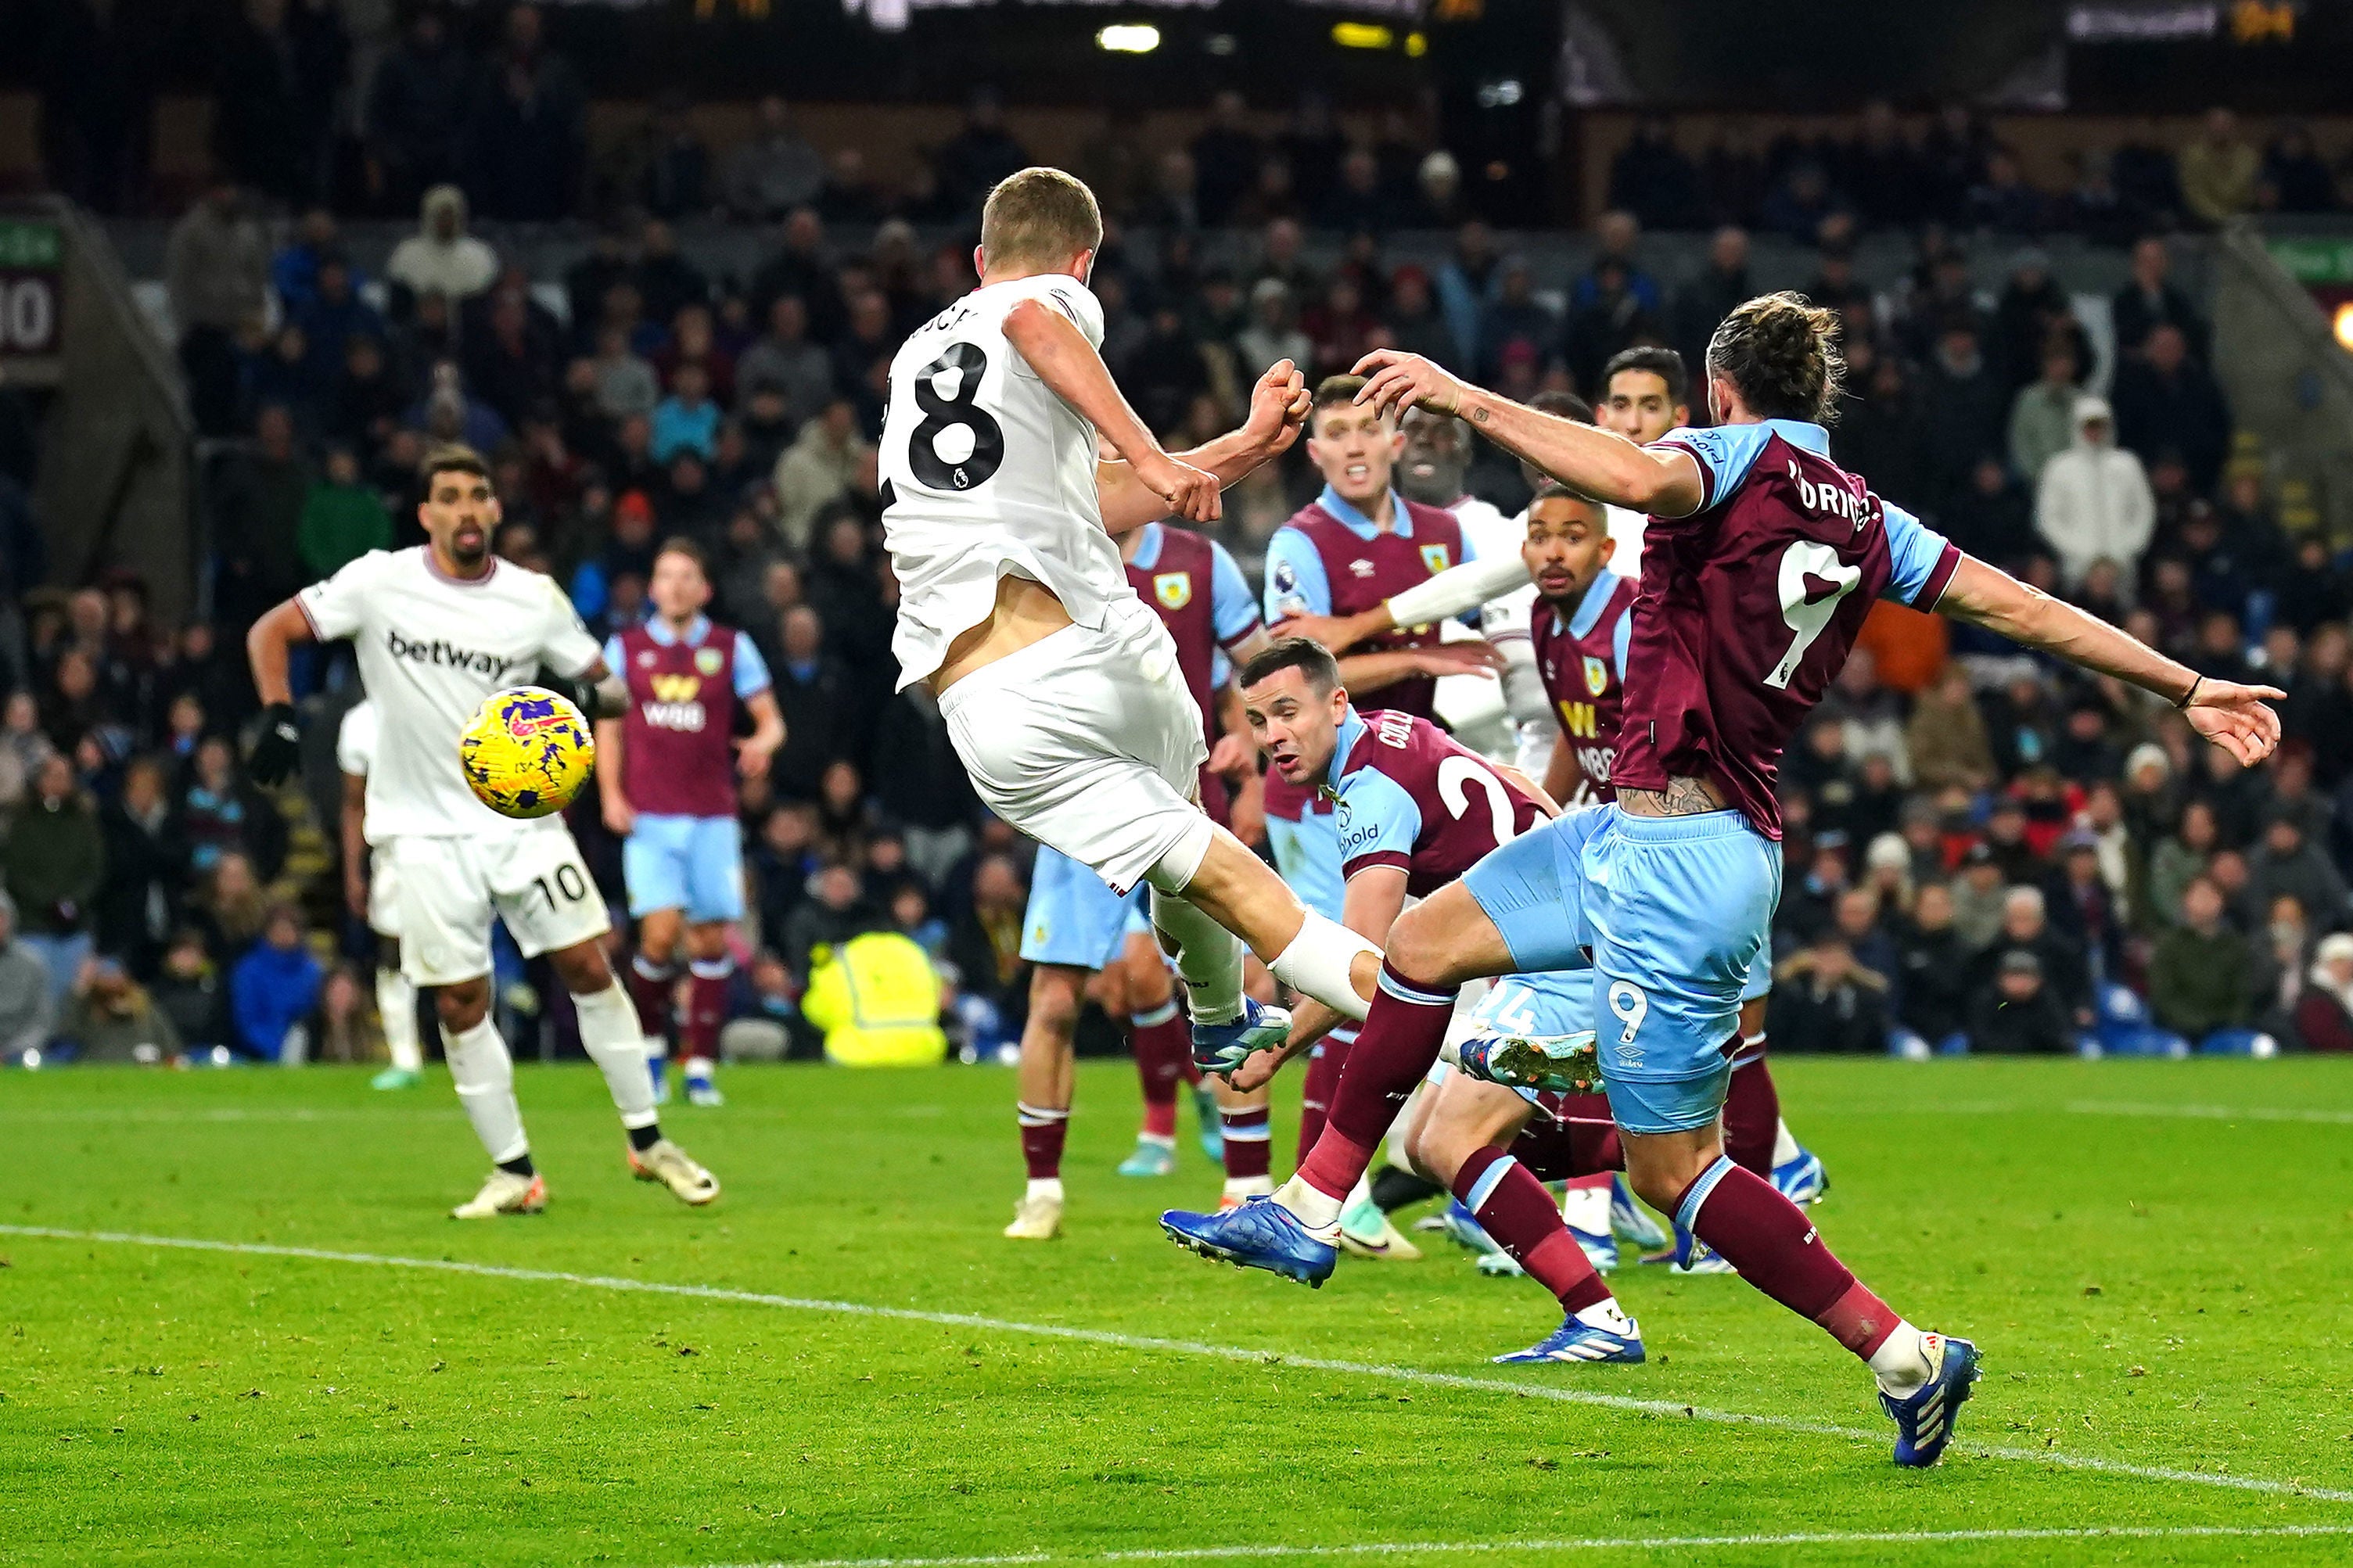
<point>986,472</point>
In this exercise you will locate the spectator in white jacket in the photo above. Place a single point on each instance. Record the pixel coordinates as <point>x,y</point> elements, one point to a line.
<point>2094,501</point>
<point>441,257</point>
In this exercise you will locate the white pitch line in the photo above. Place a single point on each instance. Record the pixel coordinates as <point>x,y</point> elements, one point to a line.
<point>1586,1543</point>
<point>1664,1407</point>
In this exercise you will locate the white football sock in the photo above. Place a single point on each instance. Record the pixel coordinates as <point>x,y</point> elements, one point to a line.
<point>1785,1145</point>
<point>1318,1211</point>
<point>610,1034</point>
<point>1045,1187</point>
<point>1248,1186</point>
<point>1902,1363</point>
<point>1587,1208</point>
<point>1317,962</point>
<point>1609,1316</point>
<point>396,1004</point>
<point>485,1078</point>
<point>1208,957</point>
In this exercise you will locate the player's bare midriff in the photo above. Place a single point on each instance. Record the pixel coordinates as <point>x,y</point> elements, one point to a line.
<point>1683,797</point>
<point>1025,613</point>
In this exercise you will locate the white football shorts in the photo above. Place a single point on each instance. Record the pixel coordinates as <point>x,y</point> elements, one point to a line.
<point>1089,741</point>
<point>450,887</point>
<point>384,894</point>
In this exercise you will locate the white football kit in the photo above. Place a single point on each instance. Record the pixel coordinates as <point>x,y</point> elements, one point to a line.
<point>1480,709</point>
<point>431,647</point>
<point>355,747</point>
<point>1087,740</point>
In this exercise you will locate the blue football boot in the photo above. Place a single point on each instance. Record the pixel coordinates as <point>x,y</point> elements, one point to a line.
<point>1924,1421</point>
<point>1802,1179</point>
<point>1690,1255</point>
<point>1465,1231</point>
<point>1259,1234</point>
<point>1213,1127</point>
<point>1629,1222</point>
<point>1569,1064</point>
<point>1579,1341</point>
<point>1150,1159</point>
<point>1221,1047</point>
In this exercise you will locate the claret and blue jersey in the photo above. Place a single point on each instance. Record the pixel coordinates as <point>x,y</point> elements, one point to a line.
<point>1332,559</point>
<point>678,767</point>
<point>1748,609</point>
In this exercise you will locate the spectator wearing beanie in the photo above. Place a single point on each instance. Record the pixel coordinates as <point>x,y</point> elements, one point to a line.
<point>2017,1014</point>
<point>2094,501</point>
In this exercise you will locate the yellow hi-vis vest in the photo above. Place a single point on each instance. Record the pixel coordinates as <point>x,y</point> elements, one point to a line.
<point>877,998</point>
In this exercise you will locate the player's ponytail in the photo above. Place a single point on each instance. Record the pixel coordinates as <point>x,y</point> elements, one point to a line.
<point>1782,355</point>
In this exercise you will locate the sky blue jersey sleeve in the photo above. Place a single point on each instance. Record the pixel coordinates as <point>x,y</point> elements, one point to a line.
<point>1295,582</point>
<point>1620,635</point>
<point>614,660</point>
<point>1232,612</point>
<point>1377,821</point>
<point>1724,453</point>
<point>1921,560</point>
<point>751,670</point>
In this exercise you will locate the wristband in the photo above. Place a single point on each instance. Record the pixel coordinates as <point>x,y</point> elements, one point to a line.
<point>2192,695</point>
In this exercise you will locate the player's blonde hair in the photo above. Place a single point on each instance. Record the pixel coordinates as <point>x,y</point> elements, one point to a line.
<point>1040,217</point>
<point>1782,355</point>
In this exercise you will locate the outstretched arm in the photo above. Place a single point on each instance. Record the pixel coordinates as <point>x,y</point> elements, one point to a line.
<point>1278,405</point>
<point>1450,592</point>
<point>1589,461</point>
<point>1071,369</point>
<point>2234,717</point>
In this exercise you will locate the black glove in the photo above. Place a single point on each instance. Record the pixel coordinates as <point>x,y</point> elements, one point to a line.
<point>581,694</point>
<point>278,752</point>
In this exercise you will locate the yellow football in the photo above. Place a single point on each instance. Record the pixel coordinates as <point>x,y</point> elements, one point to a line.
<point>526,751</point>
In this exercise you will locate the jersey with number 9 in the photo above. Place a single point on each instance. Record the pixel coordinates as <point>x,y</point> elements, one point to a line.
<point>1750,605</point>
<point>984,470</point>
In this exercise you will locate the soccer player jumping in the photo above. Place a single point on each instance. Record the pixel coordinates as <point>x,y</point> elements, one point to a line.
<point>1064,696</point>
<point>1759,565</point>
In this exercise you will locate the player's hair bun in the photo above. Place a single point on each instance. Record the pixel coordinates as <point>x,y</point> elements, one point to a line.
<point>1782,355</point>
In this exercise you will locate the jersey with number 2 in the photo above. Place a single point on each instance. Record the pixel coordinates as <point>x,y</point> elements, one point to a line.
<point>1411,797</point>
<point>1750,605</point>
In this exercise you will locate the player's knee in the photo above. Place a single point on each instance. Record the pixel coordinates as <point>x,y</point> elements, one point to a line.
<point>1423,946</point>
<point>1149,988</point>
<point>1055,993</point>
<point>1660,1174</point>
<point>462,1006</point>
<point>582,968</point>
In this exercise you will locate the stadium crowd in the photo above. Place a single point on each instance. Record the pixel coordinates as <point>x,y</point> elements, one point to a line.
<point>1980,850</point>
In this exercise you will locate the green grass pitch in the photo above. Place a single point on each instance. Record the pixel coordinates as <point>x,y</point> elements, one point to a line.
<point>2155,1257</point>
